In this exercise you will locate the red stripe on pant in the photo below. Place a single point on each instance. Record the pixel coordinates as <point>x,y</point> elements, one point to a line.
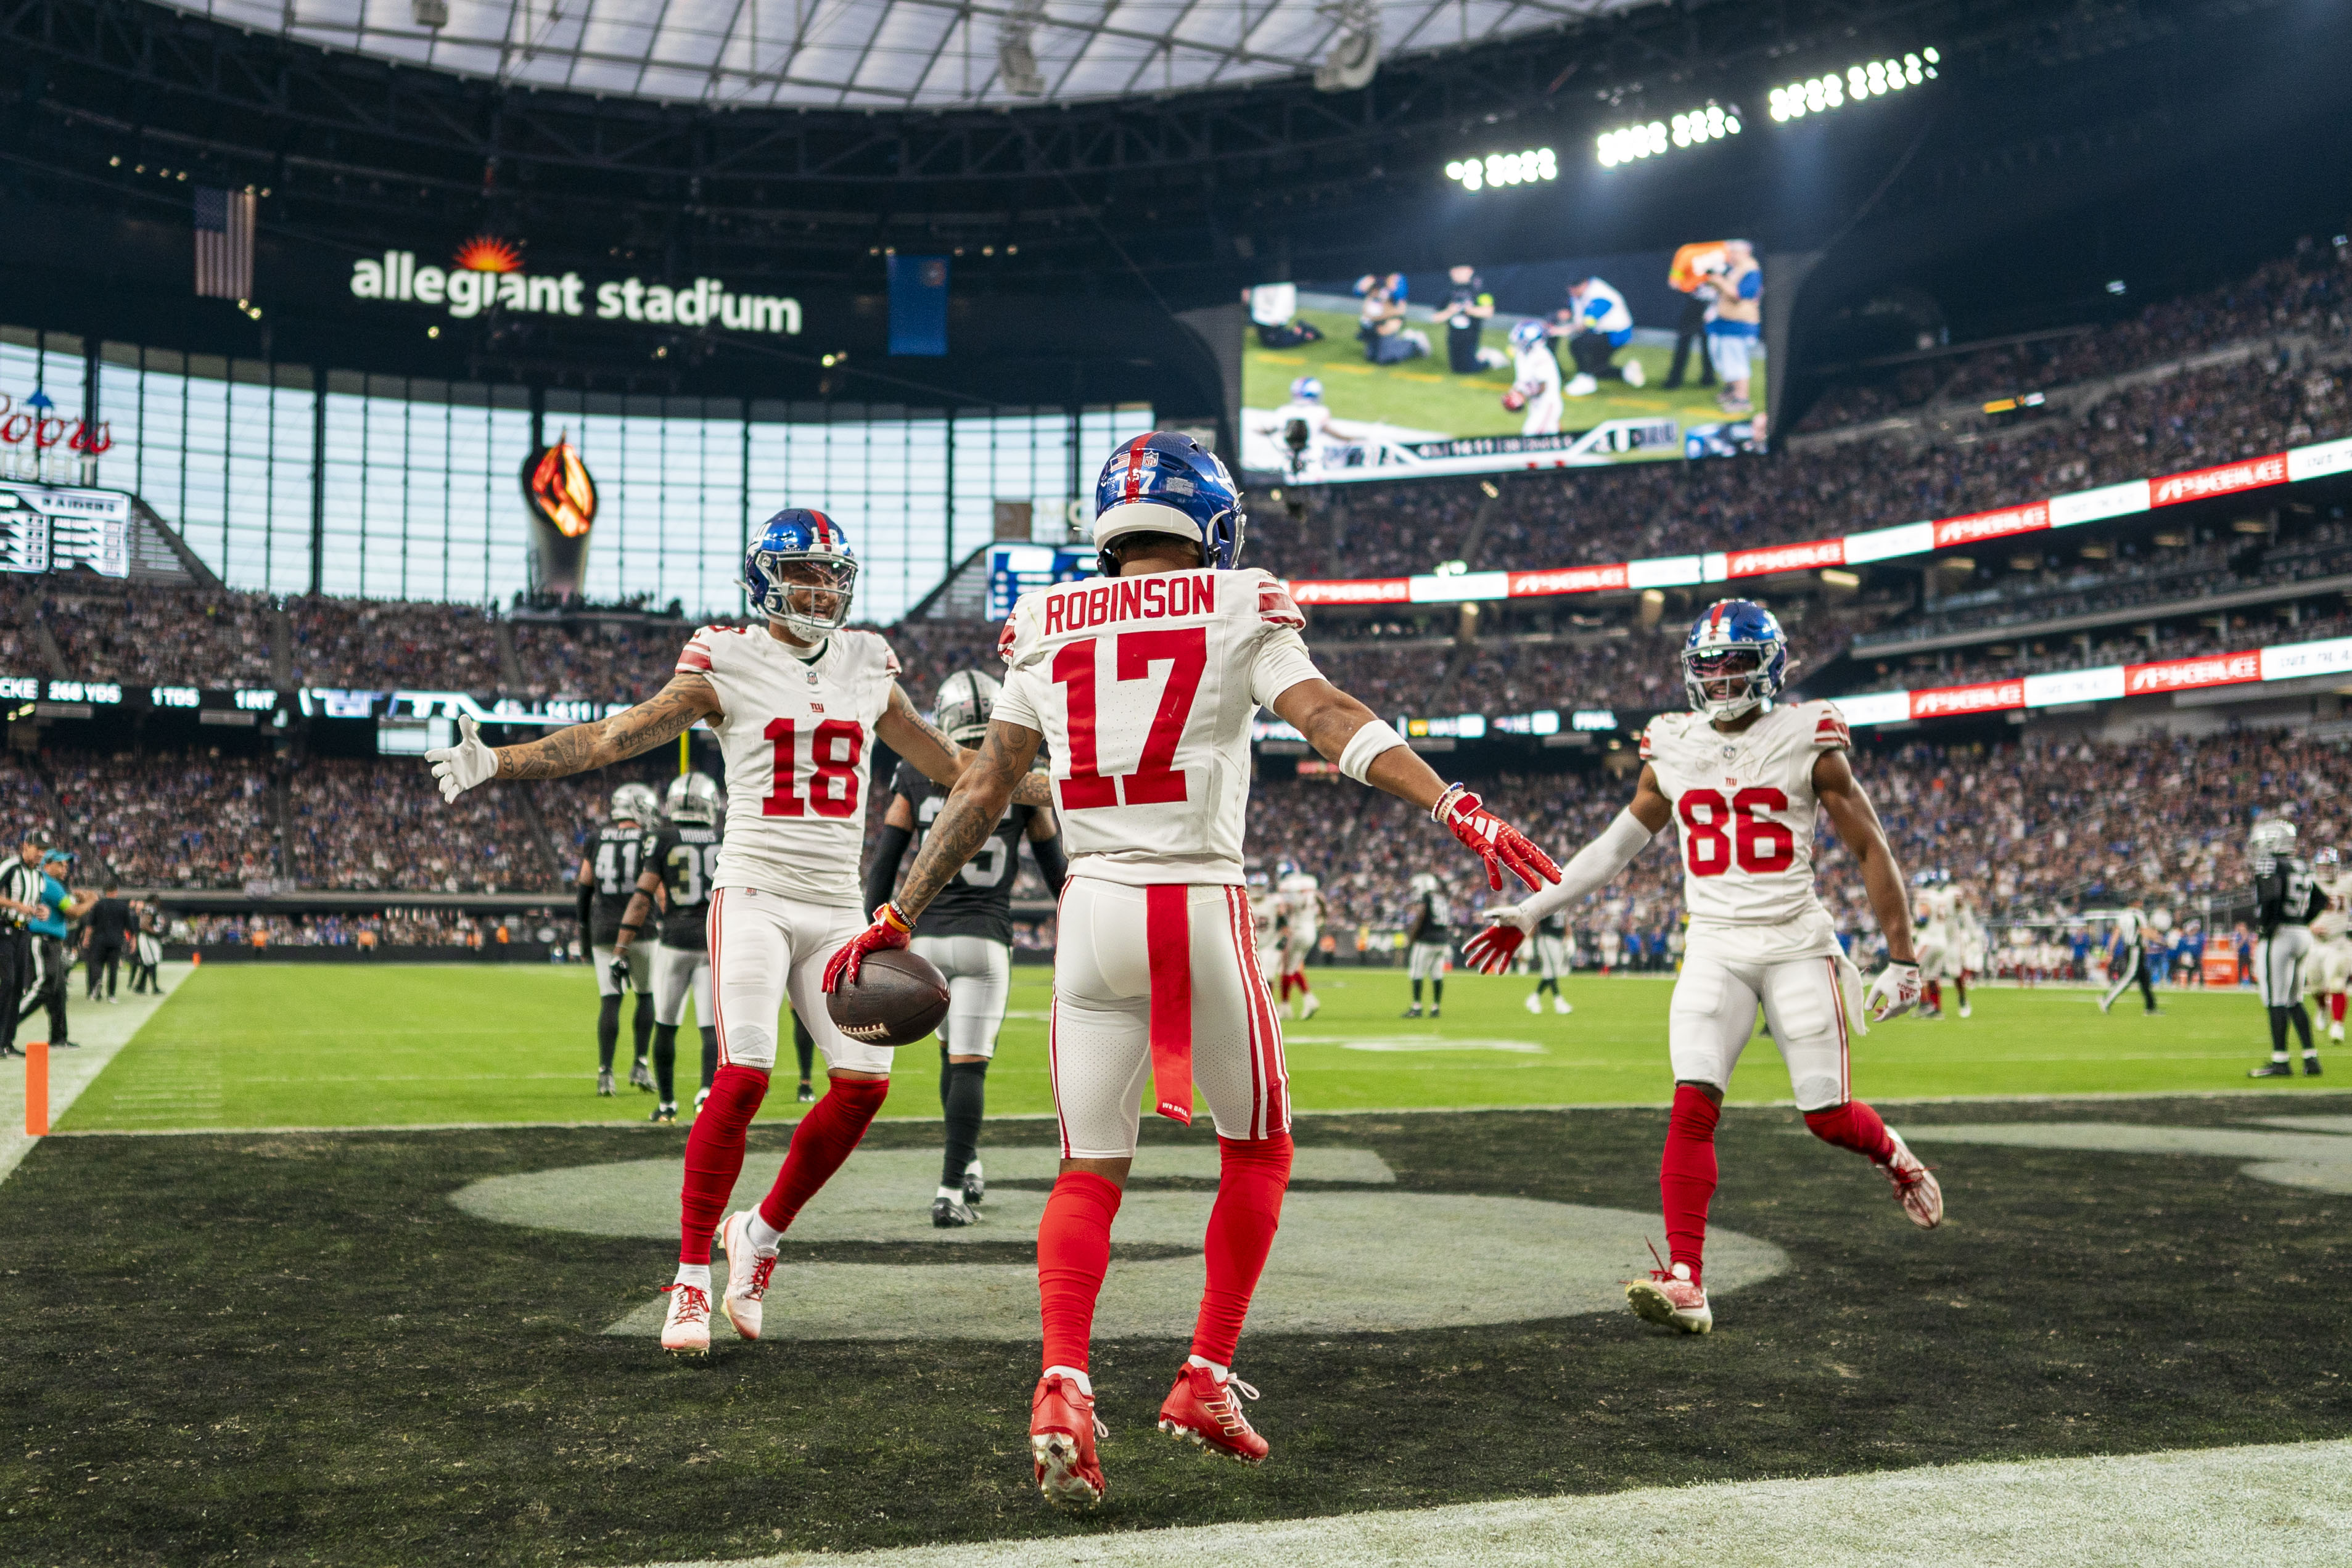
<point>1168,946</point>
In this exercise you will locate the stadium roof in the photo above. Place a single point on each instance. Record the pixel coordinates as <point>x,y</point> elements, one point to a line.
<point>881,54</point>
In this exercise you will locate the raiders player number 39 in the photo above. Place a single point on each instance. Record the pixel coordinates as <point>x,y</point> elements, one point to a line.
<point>967,932</point>
<point>680,860</point>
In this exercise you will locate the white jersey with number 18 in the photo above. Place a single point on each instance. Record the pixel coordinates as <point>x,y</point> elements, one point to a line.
<point>798,737</point>
<point>1144,688</point>
<point>1746,806</point>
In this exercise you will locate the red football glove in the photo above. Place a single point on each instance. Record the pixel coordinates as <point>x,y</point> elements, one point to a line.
<point>1495,841</point>
<point>1490,951</point>
<point>890,929</point>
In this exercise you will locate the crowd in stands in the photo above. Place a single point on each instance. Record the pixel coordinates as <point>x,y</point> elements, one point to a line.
<point>2002,661</point>
<point>195,820</point>
<point>370,825</point>
<point>2035,833</point>
<point>2302,294</point>
<point>389,928</point>
<point>376,645</point>
<point>161,634</point>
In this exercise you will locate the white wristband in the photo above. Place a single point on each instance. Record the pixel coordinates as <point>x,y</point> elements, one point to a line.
<point>1366,745</point>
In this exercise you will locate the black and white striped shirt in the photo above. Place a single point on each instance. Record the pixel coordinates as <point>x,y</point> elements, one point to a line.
<point>20,883</point>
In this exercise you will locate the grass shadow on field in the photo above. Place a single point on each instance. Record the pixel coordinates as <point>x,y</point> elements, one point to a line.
<point>290,1348</point>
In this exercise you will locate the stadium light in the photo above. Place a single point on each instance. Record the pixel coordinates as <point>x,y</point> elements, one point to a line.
<point>1872,78</point>
<point>1695,129</point>
<point>1499,169</point>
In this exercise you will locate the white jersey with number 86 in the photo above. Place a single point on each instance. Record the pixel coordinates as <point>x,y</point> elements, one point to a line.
<point>1144,688</point>
<point>1744,805</point>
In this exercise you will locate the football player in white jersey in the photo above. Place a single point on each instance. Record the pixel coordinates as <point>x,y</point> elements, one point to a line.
<point>1142,682</point>
<point>1938,939</point>
<point>1302,926</point>
<point>1970,945</point>
<point>1744,777</point>
<point>798,705</point>
<point>2331,959</point>
<point>1535,380</point>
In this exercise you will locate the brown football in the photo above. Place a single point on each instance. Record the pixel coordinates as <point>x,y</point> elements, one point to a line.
<point>898,998</point>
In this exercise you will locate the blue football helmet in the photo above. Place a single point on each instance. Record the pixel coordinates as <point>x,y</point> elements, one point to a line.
<point>1169,483</point>
<point>1735,659</point>
<point>1527,334</point>
<point>1306,389</point>
<point>801,571</point>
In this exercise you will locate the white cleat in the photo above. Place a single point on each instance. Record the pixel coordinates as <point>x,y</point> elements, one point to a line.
<point>1562,1006</point>
<point>2336,1032</point>
<point>1314,1004</point>
<point>1965,1009</point>
<point>1671,1299</point>
<point>1916,1187</point>
<point>748,1274</point>
<point>685,1327</point>
<point>1581,385</point>
<point>1635,374</point>
<point>1535,1003</point>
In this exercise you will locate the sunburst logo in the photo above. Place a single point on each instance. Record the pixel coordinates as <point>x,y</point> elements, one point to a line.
<point>485,253</point>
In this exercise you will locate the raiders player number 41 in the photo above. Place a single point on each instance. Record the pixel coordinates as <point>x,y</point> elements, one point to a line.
<point>967,932</point>
<point>608,879</point>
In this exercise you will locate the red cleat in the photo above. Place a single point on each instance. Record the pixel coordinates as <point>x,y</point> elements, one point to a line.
<point>1916,1187</point>
<point>1062,1433</point>
<point>1671,1299</point>
<point>1209,1413</point>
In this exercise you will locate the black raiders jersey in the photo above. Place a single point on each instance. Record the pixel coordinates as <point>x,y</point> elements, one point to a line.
<point>1430,921</point>
<point>616,854</point>
<point>978,899</point>
<point>1554,925</point>
<point>2286,894</point>
<point>685,855</point>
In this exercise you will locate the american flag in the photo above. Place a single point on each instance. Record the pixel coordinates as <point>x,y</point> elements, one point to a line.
<point>223,243</point>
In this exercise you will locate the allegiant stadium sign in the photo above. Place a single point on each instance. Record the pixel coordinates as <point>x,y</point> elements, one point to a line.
<point>488,275</point>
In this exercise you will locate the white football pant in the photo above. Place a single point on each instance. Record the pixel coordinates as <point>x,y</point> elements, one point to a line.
<point>1426,960</point>
<point>677,972</point>
<point>641,968</point>
<point>1551,957</point>
<point>764,948</point>
<point>980,980</point>
<point>2279,962</point>
<point>1102,1037</point>
<point>1543,415</point>
<point>1809,1003</point>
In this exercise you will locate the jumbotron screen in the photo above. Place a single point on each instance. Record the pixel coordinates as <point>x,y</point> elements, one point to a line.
<point>1469,369</point>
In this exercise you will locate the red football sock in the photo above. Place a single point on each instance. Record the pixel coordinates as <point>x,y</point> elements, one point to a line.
<point>1687,1174</point>
<point>824,1137</point>
<point>1301,979</point>
<point>1251,1179</point>
<point>1935,993</point>
<point>714,1156</point>
<point>2336,1006</point>
<point>1852,1126</point>
<point>1073,1255</point>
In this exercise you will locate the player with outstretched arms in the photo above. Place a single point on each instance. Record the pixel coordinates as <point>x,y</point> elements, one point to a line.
<point>681,868</point>
<point>967,933</point>
<point>1302,928</point>
<point>608,877</point>
<point>1744,777</point>
<point>797,705</point>
<point>1142,682</point>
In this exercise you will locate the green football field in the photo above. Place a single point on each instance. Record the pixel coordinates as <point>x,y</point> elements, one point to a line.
<point>1424,395</point>
<point>286,1046</point>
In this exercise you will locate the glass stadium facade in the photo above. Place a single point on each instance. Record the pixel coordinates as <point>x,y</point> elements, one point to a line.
<point>396,487</point>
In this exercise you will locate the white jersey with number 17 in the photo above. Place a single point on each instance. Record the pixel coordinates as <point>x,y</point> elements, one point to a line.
<point>1144,688</point>
<point>798,737</point>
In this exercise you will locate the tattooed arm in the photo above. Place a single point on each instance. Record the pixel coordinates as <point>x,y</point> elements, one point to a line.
<point>666,715</point>
<point>974,807</point>
<point>930,753</point>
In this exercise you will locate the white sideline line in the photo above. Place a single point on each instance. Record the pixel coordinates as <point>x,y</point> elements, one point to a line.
<point>104,1029</point>
<point>2283,1505</point>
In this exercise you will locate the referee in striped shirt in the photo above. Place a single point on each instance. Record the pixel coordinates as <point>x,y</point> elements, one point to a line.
<point>20,896</point>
